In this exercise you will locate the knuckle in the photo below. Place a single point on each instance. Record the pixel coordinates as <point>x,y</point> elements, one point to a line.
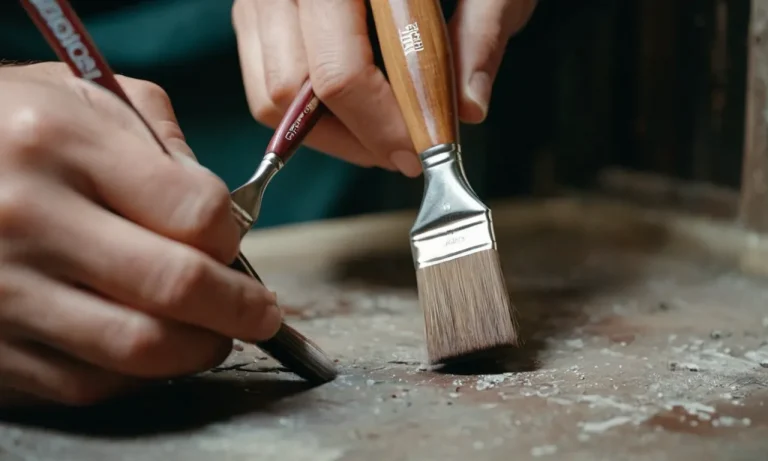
<point>80,392</point>
<point>262,109</point>
<point>213,207</point>
<point>137,341</point>
<point>181,274</point>
<point>17,208</point>
<point>210,350</point>
<point>219,353</point>
<point>280,88</point>
<point>144,90</point>
<point>167,129</point>
<point>332,79</point>
<point>29,132</point>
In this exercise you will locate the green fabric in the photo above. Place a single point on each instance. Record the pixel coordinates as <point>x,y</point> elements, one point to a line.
<point>189,48</point>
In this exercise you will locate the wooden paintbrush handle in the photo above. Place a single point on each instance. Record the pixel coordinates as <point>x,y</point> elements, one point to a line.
<point>305,111</point>
<point>417,54</point>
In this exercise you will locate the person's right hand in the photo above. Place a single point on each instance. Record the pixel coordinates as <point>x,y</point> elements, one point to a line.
<point>112,254</point>
<point>284,42</point>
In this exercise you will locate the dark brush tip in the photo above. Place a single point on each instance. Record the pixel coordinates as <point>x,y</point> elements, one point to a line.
<point>500,359</point>
<point>486,355</point>
<point>300,355</point>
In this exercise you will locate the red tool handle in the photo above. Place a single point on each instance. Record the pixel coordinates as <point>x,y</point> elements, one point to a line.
<point>66,34</point>
<point>305,111</point>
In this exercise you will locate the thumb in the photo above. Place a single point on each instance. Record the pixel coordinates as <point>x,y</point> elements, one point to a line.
<point>480,30</point>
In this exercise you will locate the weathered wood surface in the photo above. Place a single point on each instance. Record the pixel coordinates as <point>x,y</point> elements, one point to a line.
<point>643,343</point>
<point>754,197</point>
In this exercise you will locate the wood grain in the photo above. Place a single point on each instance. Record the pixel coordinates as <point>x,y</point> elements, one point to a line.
<point>754,186</point>
<point>418,58</point>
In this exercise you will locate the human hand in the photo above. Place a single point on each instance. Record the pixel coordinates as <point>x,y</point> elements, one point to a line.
<point>282,42</point>
<point>112,254</point>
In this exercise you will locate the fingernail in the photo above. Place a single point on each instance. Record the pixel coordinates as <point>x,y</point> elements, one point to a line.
<point>407,162</point>
<point>270,323</point>
<point>479,92</point>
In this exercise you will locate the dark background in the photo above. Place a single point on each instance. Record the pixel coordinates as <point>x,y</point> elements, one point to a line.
<point>649,85</point>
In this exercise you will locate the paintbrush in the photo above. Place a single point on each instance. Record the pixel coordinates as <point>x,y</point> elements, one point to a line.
<point>65,33</point>
<point>462,291</point>
<point>302,115</point>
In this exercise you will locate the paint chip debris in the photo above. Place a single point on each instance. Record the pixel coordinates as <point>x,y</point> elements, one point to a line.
<point>491,381</point>
<point>759,356</point>
<point>676,366</point>
<point>574,343</point>
<point>603,426</point>
<point>544,450</point>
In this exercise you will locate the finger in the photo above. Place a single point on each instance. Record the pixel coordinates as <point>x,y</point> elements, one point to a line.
<point>129,173</point>
<point>143,270</point>
<point>284,61</point>
<point>346,79</point>
<point>11,399</point>
<point>106,334</point>
<point>154,104</point>
<point>39,371</point>
<point>480,30</point>
<point>329,135</point>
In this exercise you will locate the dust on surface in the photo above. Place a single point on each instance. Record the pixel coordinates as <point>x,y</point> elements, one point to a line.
<point>632,351</point>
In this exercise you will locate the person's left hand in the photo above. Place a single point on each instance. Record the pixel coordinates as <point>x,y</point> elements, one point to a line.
<point>282,42</point>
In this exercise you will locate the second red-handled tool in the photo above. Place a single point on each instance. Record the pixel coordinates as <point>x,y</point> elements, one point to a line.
<point>298,121</point>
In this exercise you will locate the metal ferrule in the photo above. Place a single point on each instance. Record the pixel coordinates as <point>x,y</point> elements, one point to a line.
<point>452,221</point>
<point>249,196</point>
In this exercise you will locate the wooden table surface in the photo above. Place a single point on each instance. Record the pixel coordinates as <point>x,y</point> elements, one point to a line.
<point>643,342</point>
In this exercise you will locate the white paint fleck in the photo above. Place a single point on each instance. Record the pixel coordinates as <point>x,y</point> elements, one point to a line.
<point>543,450</point>
<point>490,381</point>
<point>597,401</point>
<point>574,343</point>
<point>266,443</point>
<point>602,426</point>
<point>605,351</point>
<point>701,411</point>
<point>759,356</point>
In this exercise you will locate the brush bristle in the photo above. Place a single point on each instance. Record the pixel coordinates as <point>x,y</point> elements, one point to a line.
<point>467,309</point>
<point>300,355</point>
